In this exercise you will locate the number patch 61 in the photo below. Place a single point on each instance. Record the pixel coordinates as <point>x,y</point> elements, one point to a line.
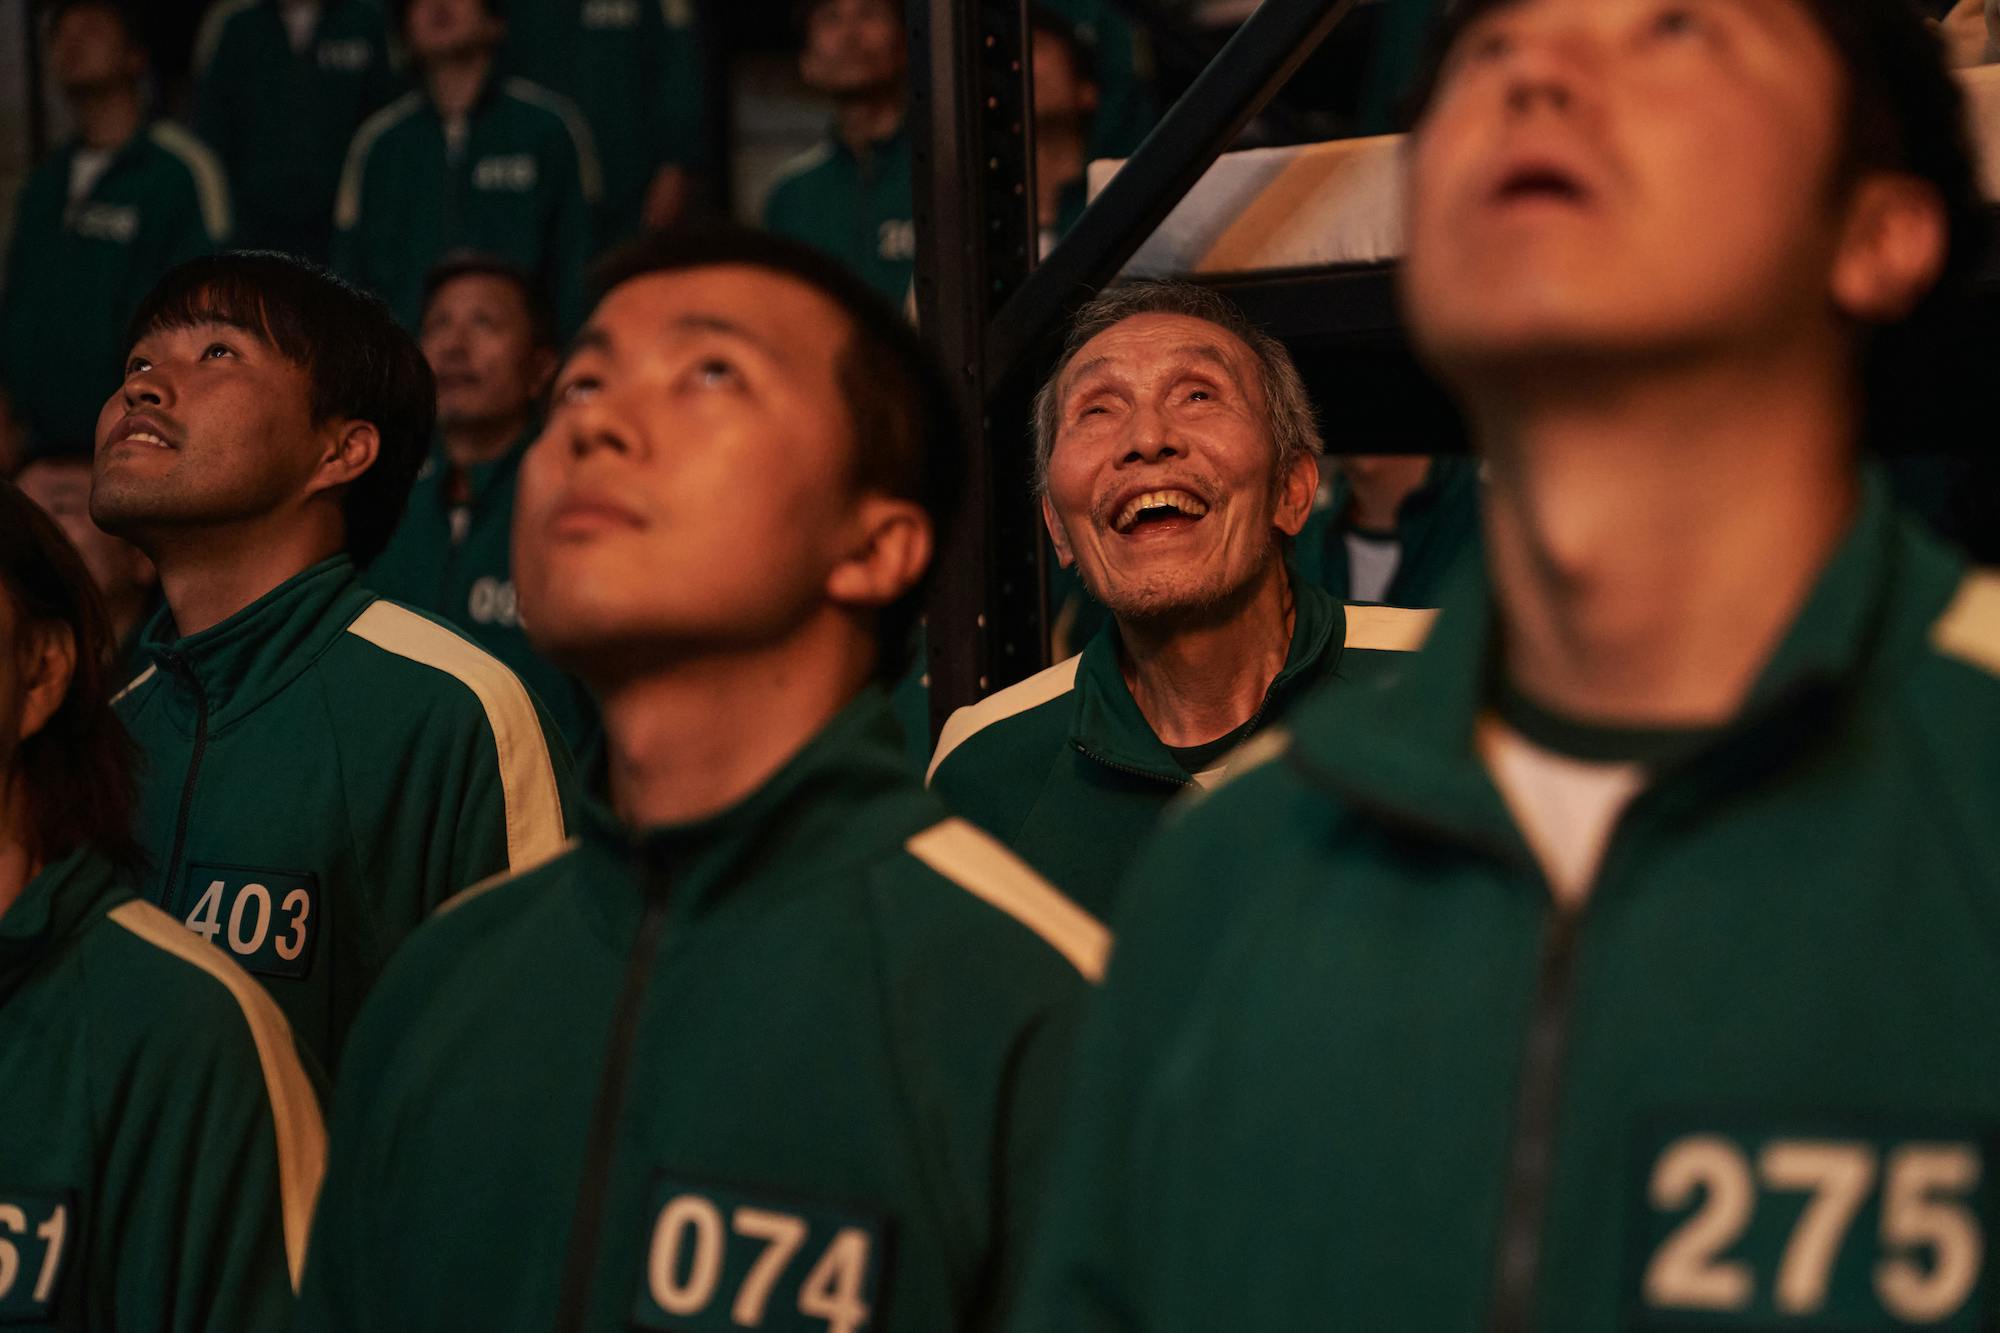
<point>719,1259</point>
<point>1835,1231</point>
<point>266,920</point>
<point>35,1239</point>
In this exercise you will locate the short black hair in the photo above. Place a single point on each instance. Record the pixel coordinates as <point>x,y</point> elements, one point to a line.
<point>77,772</point>
<point>1904,113</point>
<point>399,11</point>
<point>900,408</point>
<point>803,10</point>
<point>362,365</point>
<point>55,11</point>
<point>478,264</point>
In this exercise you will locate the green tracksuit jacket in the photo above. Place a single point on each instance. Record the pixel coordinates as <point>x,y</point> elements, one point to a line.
<point>76,272</point>
<point>280,119</point>
<point>1353,1069</point>
<point>857,209</point>
<point>522,186</point>
<point>322,769</point>
<point>1065,769</point>
<point>634,68</point>
<point>469,580</point>
<point>1436,526</point>
<point>160,1143</point>
<point>791,1067</point>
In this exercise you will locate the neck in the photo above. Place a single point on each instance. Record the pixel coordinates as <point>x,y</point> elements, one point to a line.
<point>209,575</point>
<point>1197,682</point>
<point>863,119</point>
<point>691,738</point>
<point>454,80</point>
<point>108,116</point>
<point>471,442</point>
<point>1059,159</point>
<point>17,864</point>
<point>1650,540</point>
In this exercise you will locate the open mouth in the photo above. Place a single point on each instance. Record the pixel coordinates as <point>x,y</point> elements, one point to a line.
<point>1541,184</point>
<point>1153,508</point>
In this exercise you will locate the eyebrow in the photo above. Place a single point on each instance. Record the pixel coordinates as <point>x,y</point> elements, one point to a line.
<point>1186,352</point>
<point>729,328</point>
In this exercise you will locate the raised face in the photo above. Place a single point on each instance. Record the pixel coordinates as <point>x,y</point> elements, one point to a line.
<point>691,493</point>
<point>1613,177</point>
<point>480,340</point>
<point>436,29</point>
<point>212,426</point>
<point>1163,483</point>
<point>62,488</point>
<point>90,49</point>
<point>853,46</point>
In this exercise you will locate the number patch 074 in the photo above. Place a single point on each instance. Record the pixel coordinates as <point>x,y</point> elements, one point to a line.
<point>267,920</point>
<point>37,1232</point>
<point>717,1258</point>
<point>1840,1230</point>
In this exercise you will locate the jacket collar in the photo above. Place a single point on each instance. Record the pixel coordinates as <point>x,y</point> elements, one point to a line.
<point>487,477</point>
<point>54,905</point>
<point>240,663</point>
<point>1109,727</point>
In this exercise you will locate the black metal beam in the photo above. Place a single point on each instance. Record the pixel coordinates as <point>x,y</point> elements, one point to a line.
<point>1264,53</point>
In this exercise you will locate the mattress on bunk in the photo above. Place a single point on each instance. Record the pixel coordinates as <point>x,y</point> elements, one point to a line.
<point>1322,205</point>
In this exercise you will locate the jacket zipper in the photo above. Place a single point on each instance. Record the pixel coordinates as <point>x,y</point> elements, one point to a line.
<point>587,1224</point>
<point>177,665</point>
<point>1095,757</point>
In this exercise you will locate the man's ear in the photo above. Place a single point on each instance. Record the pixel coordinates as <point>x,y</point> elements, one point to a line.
<point>49,664</point>
<point>1296,491</point>
<point>1057,537</point>
<point>351,449</point>
<point>1892,248</point>
<point>890,554</point>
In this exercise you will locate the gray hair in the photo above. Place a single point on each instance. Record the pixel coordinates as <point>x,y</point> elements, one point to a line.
<point>1287,405</point>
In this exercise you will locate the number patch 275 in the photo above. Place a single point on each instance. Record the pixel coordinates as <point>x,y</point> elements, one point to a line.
<point>266,920</point>
<point>1833,1231</point>
<point>717,1259</point>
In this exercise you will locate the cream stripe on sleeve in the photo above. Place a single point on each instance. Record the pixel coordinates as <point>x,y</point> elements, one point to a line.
<point>988,871</point>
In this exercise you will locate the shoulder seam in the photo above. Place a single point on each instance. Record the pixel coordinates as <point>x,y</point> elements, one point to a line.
<point>295,1115</point>
<point>798,164</point>
<point>529,794</point>
<point>211,183</point>
<point>1390,629</point>
<point>1018,698</point>
<point>491,882</point>
<point>579,131</point>
<point>208,39</point>
<point>984,868</point>
<point>347,200</point>
<point>1969,629</point>
<point>136,681</point>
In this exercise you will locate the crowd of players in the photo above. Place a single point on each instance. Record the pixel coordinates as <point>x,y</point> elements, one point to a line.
<point>1596,951</point>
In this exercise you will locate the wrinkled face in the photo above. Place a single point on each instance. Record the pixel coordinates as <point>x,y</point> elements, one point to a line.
<point>689,494</point>
<point>436,29</point>
<point>62,488</point>
<point>480,340</point>
<point>1623,176</point>
<point>88,49</point>
<point>1164,488</point>
<point>853,46</point>
<point>212,426</point>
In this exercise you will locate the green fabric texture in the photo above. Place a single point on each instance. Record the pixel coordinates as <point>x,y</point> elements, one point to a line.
<point>75,273</point>
<point>635,70</point>
<point>1436,527</point>
<point>281,120</point>
<point>357,785</point>
<point>522,187</point>
<point>139,1177</point>
<point>1076,781</point>
<point>470,583</point>
<point>1344,1013</point>
<point>830,1030</point>
<point>857,209</point>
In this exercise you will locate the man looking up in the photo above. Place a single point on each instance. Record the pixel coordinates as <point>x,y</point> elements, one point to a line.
<point>323,767</point>
<point>490,341</point>
<point>1600,972</point>
<point>472,160</point>
<point>1177,457</point>
<point>851,196</point>
<point>1065,102</point>
<point>783,1013</point>
<point>95,227</point>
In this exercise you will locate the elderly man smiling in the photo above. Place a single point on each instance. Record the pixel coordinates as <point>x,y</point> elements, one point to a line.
<point>1177,457</point>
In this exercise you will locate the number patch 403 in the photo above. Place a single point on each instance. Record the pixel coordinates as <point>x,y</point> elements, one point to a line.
<point>35,1237</point>
<point>266,920</point>
<point>719,1259</point>
<point>1831,1232</point>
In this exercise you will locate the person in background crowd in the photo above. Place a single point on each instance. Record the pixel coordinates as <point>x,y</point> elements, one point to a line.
<point>280,88</point>
<point>126,582</point>
<point>1121,66</point>
<point>490,341</point>
<point>1598,972</point>
<point>636,70</point>
<point>160,1141</point>
<point>1065,102</point>
<point>1177,458</point>
<point>784,1015</point>
<point>95,227</point>
<point>851,196</point>
<point>475,160</point>
<point>323,766</point>
<point>1391,528</point>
